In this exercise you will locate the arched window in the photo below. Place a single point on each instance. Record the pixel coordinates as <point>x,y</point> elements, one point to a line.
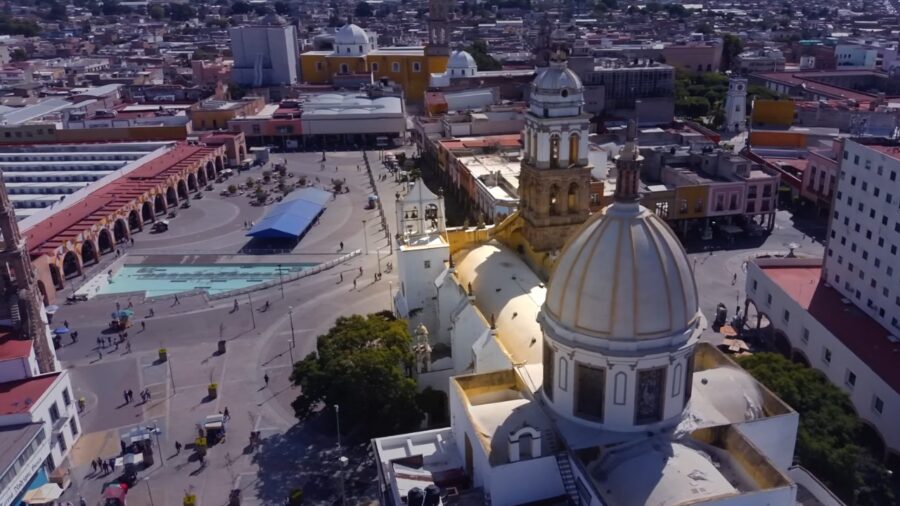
<point>554,150</point>
<point>374,67</point>
<point>395,67</point>
<point>360,48</point>
<point>563,374</point>
<point>345,69</point>
<point>554,200</point>
<point>417,67</point>
<point>572,198</point>
<point>574,140</point>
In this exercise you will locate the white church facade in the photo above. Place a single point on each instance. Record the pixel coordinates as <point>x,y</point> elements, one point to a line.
<point>590,389</point>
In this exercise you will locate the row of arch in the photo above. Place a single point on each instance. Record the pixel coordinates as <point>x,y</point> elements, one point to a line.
<point>555,141</point>
<point>871,437</point>
<point>120,230</point>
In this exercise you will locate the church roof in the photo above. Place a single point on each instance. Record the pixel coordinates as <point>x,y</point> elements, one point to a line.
<point>351,34</point>
<point>504,286</point>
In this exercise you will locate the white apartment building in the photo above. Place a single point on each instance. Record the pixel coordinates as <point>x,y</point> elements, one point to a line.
<point>862,260</point>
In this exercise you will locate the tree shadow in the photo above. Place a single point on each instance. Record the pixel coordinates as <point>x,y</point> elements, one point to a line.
<point>306,457</point>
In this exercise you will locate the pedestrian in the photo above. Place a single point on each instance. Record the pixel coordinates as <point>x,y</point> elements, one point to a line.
<point>335,168</point>
<point>143,326</point>
<point>354,283</point>
<point>103,467</point>
<point>226,414</point>
<point>81,501</point>
<point>66,323</point>
<point>177,448</point>
<point>132,241</point>
<point>342,277</point>
<point>342,249</point>
<point>99,342</point>
<point>74,336</point>
<point>147,391</point>
<point>81,404</point>
<point>94,465</point>
<point>128,347</point>
<point>130,305</point>
<point>374,277</point>
<point>125,395</point>
<point>99,354</point>
<point>130,395</point>
<point>152,313</point>
<point>266,378</point>
<point>122,444</point>
<point>118,306</point>
<point>176,300</point>
<point>109,340</point>
<point>360,270</point>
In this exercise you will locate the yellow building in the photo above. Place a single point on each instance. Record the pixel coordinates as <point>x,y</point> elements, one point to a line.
<point>356,56</point>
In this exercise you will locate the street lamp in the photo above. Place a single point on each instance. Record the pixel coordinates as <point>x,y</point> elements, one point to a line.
<point>250,303</point>
<point>147,481</point>
<point>281,280</point>
<point>391,295</point>
<point>291,316</point>
<point>365,237</point>
<point>291,350</point>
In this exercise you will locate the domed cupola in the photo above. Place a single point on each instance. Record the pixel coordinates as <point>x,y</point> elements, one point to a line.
<point>461,64</point>
<point>557,91</point>
<point>622,314</point>
<point>351,40</point>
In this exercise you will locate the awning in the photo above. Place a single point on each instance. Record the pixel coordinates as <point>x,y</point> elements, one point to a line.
<point>45,494</point>
<point>130,459</point>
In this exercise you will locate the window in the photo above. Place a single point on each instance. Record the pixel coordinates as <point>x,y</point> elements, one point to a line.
<point>563,374</point>
<point>754,285</point>
<point>395,67</point>
<point>345,69</point>
<point>374,67</point>
<point>590,385</point>
<point>67,399</point>
<point>850,379</point>
<point>804,335</point>
<point>856,159</point>
<point>786,316</point>
<point>574,142</point>
<point>826,355</point>
<point>648,406</point>
<point>877,404</point>
<point>73,426</point>
<point>61,441</point>
<point>769,299</point>
<point>428,264</point>
<point>54,413</point>
<point>417,67</point>
<point>318,66</point>
<point>554,150</point>
<point>548,370</point>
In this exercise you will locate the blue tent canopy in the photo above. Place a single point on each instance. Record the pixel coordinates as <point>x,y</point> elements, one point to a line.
<point>292,218</point>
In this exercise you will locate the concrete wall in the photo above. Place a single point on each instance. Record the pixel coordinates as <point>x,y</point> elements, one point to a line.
<point>526,481</point>
<point>775,436</point>
<point>18,368</point>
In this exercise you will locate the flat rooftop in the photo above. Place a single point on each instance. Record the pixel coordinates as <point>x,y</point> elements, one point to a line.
<point>859,332</point>
<point>13,441</point>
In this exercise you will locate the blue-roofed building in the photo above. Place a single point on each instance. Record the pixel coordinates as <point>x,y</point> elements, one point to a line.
<point>292,218</point>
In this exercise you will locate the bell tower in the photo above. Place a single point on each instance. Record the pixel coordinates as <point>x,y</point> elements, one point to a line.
<point>438,29</point>
<point>19,290</point>
<point>554,184</point>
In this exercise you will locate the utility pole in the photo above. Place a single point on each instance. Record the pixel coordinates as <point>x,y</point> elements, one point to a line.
<point>281,280</point>
<point>291,316</point>
<point>365,237</point>
<point>252,317</point>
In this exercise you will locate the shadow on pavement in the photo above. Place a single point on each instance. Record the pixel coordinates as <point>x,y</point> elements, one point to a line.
<point>306,457</point>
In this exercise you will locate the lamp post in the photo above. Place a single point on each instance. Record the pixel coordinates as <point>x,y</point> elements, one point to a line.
<point>365,237</point>
<point>291,350</point>
<point>291,316</point>
<point>147,481</point>
<point>281,280</point>
<point>391,295</point>
<point>250,303</point>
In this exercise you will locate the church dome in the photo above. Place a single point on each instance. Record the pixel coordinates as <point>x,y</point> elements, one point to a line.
<point>624,276</point>
<point>351,34</point>
<point>461,60</point>
<point>556,79</point>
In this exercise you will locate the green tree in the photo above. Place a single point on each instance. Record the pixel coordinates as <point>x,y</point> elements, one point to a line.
<point>18,26</point>
<point>363,10</point>
<point>483,59</point>
<point>240,7</point>
<point>57,12</point>
<point>156,11</point>
<point>692,107</point>
<point>181,12</point>
<point>732,45</point>
<point>829,433</point>
<point>282,7</point>
<point>19,54</point>
<point>360,365</point>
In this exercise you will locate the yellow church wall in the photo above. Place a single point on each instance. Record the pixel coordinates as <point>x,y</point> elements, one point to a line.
<point>437,64</point>
<point>414,82</point>
<point>354,65</point>
<point>314,69</point>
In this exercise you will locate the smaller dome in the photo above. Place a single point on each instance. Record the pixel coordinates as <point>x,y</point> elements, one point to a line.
<point>351,34</point>
<point>555,79</point>
<point>461,60</point>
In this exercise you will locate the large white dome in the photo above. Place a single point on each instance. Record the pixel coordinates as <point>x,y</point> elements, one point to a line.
<point>624,276</point>
<point>351,34</point>
<point>555,79</point>
<point>461,60</point>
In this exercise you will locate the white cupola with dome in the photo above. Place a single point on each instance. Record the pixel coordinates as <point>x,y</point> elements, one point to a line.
<point>461,64</point>
<point>351,40</point>
<point>621,316</point>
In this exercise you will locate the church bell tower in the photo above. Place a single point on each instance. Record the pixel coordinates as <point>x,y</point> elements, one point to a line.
<point>438,29</point>
<point>19,289</point>
<point>554,183</point>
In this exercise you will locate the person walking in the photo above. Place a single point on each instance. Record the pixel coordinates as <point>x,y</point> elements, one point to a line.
<point>342,277</point>
<point>342,249</point>
<point>176,300</point>
<point>226,414</point>
<point>177,448</point>
<point>99,354</point>
<point>266,378</point>
<point>354,284</point>
<point>235,304</point>
<point>66,323</point>
<point>81,501</point>
<point>147,393</point>
<point>94,466</point>
<point>360,270</point>
<point>143,326</point>
<point>130,395</point>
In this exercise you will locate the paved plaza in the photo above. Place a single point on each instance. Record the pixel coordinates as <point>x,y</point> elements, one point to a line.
<point>262,343</point>
<point>259,344</point>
